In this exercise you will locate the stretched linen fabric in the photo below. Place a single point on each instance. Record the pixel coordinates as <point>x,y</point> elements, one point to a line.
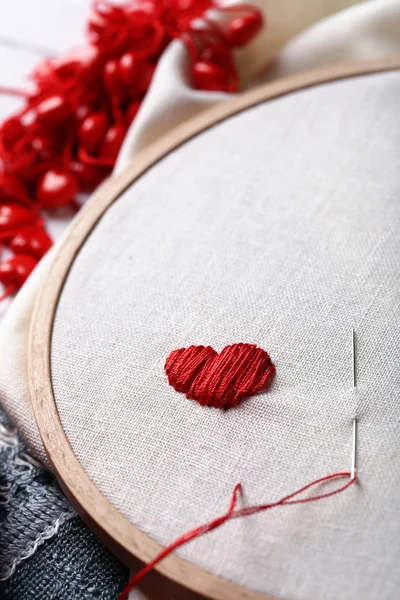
<point>289,253</point>
<point>371,31</point>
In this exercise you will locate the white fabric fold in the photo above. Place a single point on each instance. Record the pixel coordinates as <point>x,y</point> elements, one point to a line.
<point>14,385</point>
<point>366,31</point>
<point>169,101</point>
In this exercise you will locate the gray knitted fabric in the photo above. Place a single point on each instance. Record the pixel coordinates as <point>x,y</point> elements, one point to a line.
<point>32,507</point>
<point>73,565</point>
<point>35,563</point>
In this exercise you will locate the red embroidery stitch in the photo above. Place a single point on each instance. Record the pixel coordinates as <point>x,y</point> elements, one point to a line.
<point>219,380</point>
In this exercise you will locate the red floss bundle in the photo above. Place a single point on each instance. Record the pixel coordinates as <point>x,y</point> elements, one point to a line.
<point>68,134</point>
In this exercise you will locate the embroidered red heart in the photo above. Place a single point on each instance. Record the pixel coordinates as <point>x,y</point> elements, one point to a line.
<point>219,380</point>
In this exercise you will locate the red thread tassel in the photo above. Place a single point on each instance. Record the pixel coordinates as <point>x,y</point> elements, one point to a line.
<point>231,513</point>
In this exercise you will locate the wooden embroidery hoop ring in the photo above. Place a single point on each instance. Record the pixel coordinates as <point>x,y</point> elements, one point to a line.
<point>120,535</point>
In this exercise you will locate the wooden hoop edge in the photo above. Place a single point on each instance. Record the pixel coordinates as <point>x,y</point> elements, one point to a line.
<point>122,537</point>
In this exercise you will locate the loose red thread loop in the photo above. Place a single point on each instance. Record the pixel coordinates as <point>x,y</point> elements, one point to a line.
<point>220,380</point>
<point>231,513</point>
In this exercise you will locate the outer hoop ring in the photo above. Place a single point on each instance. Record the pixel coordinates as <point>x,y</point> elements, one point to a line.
<point>121,536</point>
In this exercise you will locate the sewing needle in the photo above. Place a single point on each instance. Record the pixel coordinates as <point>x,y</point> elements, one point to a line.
<point>353,343</point>
<point>354,451</point>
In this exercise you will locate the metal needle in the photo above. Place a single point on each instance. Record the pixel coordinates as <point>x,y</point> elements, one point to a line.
<point>354,451</point>
<point>353,343</point>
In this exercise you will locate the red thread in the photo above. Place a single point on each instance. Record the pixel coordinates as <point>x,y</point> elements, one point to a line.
<point>231,513</point>
<point>67,135</point>
<point>219,380</point>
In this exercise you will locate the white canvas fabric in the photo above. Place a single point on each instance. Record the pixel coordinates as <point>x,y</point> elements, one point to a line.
<point>373,26</point>
<point>277,227</point>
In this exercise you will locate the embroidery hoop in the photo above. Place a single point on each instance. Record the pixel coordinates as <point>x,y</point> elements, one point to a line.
<point>124,538</point>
